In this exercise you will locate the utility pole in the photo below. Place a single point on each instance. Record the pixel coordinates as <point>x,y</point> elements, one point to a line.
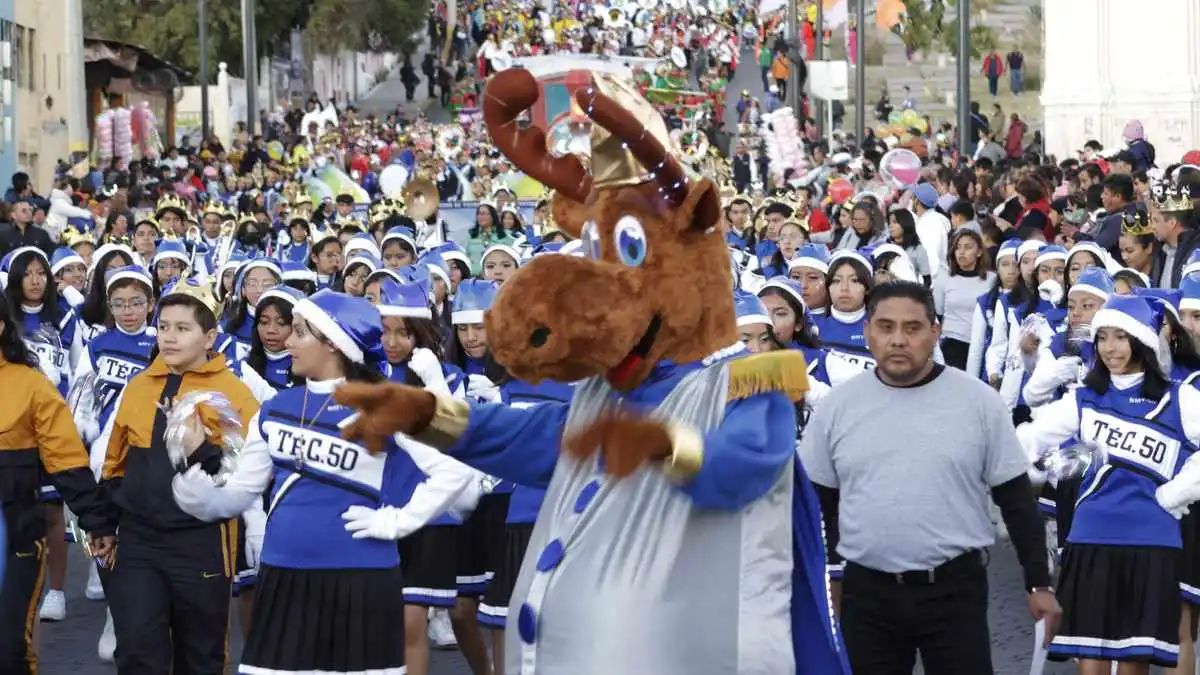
<point>202,13</point>
<point>250,64</point>
<point>818,111</point>
<point>964,78</point>
<point>793,96</point>
<point>860,75</point>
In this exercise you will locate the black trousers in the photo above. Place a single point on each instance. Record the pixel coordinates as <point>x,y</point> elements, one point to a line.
<point>886,622</point>
<point>169,596</point>
<point>24,577</point>
<point>955,352</point>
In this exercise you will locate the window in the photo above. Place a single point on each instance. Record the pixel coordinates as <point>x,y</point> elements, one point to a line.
<point>18,55</point>
<point>60,72</point>
<point>31,43</point>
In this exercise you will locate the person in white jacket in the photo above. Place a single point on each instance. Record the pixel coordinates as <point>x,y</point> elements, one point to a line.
<point>62,208</point>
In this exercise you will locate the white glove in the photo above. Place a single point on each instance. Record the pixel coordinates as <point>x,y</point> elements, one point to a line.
<point>1066,369</point>
<point>387,522</point>
<point>254,544</point>
<point>425,365</point>
<point>479,387</point>
<point>1170,499</point>
<point>256,526</point>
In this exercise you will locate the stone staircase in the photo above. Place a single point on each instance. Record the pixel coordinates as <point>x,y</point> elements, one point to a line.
<point>932,77</point>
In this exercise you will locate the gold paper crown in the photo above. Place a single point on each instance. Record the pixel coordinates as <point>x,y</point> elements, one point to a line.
<point>194,289</point>
<point>171,203</point>
<point>148,219</point>
<point>348,221</point>
<point>1172,200</point>
<point>72,237</point>
<point>1135,224</point>
<point>216,207</point>
<point>612,162</point>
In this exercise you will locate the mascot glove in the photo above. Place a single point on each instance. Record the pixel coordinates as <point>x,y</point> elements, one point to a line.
<point>424,363</point>
<point>386,522</point>
<point>1066,369</point>
<point>384,410</point>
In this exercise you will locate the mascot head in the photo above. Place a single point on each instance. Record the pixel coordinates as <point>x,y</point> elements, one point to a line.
<point>655,281</point>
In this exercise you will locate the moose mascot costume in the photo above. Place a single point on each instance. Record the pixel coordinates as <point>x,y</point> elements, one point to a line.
<point>679,534</point>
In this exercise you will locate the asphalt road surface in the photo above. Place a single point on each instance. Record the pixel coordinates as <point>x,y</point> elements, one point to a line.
<point>69,647</point>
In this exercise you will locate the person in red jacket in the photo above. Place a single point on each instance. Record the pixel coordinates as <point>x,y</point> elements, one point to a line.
<point>993,68</point>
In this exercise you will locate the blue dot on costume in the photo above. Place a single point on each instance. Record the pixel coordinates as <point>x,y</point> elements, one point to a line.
<point>586,495</point>
<point>527,624</point>
<point>551,556</point>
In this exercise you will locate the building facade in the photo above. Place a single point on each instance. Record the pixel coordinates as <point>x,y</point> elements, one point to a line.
<point>47,62</point>
<point>8,154</point>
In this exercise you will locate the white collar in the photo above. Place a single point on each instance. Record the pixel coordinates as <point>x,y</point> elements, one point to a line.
<point>276,356</point>
<point>130,332</point>
<point>1127,380</point>
<point>34,309</point>
<point>847,317</point>
<point>324,386</point>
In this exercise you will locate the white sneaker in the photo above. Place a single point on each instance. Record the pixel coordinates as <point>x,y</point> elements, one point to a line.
<point>94,591</point>
<point>54,606</point>
<point>107,647</point>
<point>441,634</point>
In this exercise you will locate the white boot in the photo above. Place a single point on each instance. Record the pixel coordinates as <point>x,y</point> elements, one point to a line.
<point>94,591</point>
<point>107,647</point>
<point>54,606</point>
<point>441,634</point>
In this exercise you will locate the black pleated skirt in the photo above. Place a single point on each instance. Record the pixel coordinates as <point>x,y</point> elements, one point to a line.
<point>1120,603</point>
<point>1189,572</point>
<point>429,562</point>
<point>482,543</point>
<point>327,621</point>
<point>493,610</point>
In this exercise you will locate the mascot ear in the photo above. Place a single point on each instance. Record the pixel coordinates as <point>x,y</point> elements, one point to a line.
<point>569,215</point>
<point>701,209</point>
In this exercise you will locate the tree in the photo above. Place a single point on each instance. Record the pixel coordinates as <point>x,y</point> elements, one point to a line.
<point>936,29</point>
<point>169,28</point>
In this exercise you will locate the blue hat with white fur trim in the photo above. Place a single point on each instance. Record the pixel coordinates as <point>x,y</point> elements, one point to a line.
<point>451,251</point>
<point>1129,313</point>
<point>363,258</point>
<point>1189,289</point>
<point>63,257</point>
<point>170,249</point>
<point>402,234</point>
<point>285,293</point>
<point>847,254</point>
<point>474,297</point>
<point>1049,253</point>
<point>1162,300</point>
<point>296,271</point>
<point>789,287</point>
<point>361,243</point>
<point>1032,245</point>
<point>409,300</point>
<point>750,310</point>
<point>500,248</point>
<point>7,261</point>
<point>135,272</point>
<point>436,264</point>
<point>1008,248</point>
<point>1193,263</point>
<point>813,256</point>
<point>1094,280</point>
<point>352,325</point>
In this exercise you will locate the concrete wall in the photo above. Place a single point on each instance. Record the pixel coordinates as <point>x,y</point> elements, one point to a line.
<point>8,108</point>
<point>1097,79</point>
<point>47,103</point>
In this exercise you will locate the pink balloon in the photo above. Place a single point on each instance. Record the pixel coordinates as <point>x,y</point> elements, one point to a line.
<point>900,167</point>
<point>840,190</point>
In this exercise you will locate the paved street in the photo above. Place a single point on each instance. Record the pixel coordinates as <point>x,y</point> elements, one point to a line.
<point>69,647</point>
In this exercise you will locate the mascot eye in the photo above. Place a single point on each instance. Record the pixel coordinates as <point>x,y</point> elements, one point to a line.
<point>590,240</point>
<point>630,240</point>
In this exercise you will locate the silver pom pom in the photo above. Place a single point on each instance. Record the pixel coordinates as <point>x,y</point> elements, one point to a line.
<point>229,429</point>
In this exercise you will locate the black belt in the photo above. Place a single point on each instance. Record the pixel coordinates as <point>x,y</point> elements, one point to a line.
<point>967,562</point>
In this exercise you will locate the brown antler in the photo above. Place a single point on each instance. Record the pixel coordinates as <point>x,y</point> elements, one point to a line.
<point>506,96</point>
<point>649,151</point>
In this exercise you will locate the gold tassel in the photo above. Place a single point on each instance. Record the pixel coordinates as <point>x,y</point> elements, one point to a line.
<point>784,371</point>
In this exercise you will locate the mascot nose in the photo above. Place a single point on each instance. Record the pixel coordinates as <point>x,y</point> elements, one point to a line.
<point>539,337</point>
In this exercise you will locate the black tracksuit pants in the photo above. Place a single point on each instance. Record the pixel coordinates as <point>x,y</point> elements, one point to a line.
<point>20,593</point>
<point>169,596</point>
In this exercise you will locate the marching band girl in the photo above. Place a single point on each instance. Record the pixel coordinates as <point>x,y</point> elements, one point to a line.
<point>358,268</point>
<point>330,581</point>
<point>268,363</point>
<point>397,248</point>
<point>298,277</point>
<point>223,282</point>
<point>326,259</point>
<point>94,315</point>
<point>1060,361</point>
<point>457,263</point>
<point>810,266</point>
<point>849,280</point>
<point>253,278</point>
<point>983,320</point>
<point>170,263</point>
<point>70,275</point>
<point>783,300</point>
<point>411,345</point>
<point>1119,586</point>
<point>1126,280</point>
<point>499,262</point>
